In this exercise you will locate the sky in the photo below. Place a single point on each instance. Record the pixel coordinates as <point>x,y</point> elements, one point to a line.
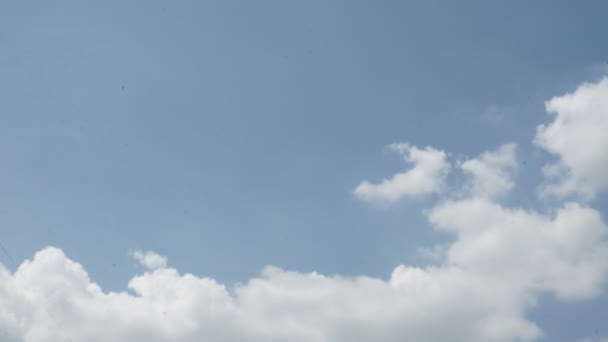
<point>303,171</point>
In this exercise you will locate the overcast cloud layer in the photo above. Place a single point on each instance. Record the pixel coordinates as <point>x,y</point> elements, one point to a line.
<point>499,261</point>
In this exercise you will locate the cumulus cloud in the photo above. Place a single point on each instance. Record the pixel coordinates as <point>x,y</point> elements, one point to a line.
<point>426,176</point>
<point>492,272</point>
<point>577,136</point>
<point>491,173</point>
<point>150,260</point>
<point>51,298</point>
<point>564,253</point>
<point>502,259</point>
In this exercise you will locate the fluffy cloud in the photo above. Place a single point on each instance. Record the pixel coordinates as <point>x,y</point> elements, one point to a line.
<point>499,263</point>
<point>491,173</point>
<point>577,136</point>
<point>426,176</point>
<point>500,260</point>
<point>51,298</point>
<point>149,259</point>
<point>564,253</point>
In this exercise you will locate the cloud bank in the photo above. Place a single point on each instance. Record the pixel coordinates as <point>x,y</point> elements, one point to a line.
<point>501,259</point>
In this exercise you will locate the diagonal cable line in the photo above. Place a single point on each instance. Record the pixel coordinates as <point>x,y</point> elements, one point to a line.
<point>10,258</point>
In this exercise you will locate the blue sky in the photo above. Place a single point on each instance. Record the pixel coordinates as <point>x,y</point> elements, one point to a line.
<point>229,135</point>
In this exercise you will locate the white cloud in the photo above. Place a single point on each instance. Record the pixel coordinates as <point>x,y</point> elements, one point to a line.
<point>501,259</point>
<point>491,172</point>
<point>51,298</point>
<point>150,260</point>
<point>577,135</point>
<point>426,176</point>
<point>564,253</point>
